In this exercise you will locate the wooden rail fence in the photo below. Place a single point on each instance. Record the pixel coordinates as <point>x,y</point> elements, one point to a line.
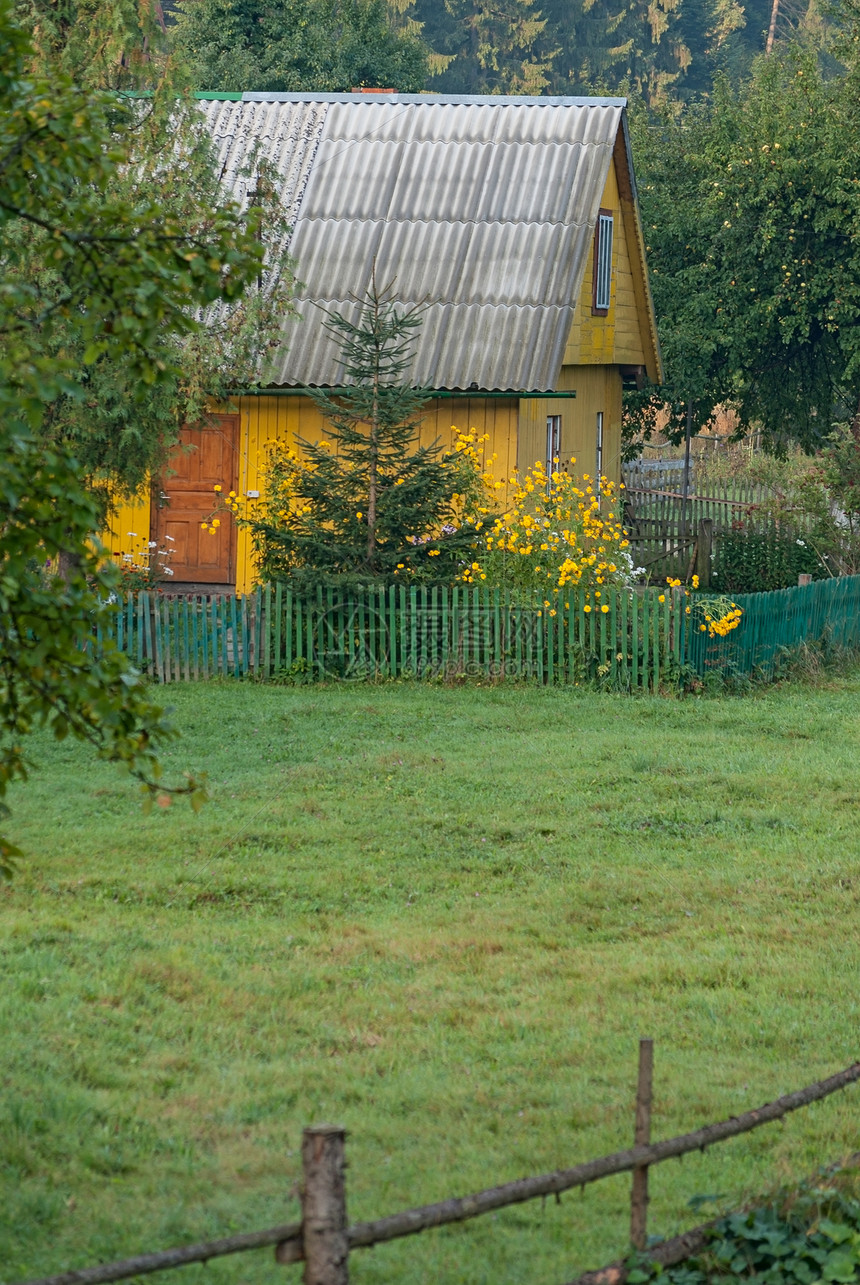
<point>324,1239</point>
<point>632,640</point>
<point>664,526</point>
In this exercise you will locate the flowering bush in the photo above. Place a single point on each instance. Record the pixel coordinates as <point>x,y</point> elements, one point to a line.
<point>716,615</point>
<point>560,532</point>
<point>143,565</point>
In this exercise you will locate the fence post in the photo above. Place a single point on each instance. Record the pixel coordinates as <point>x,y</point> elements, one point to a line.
<point>324,1224</point>
<point>642,1137</point>
<point>703,551</point>
<point>804,579</point>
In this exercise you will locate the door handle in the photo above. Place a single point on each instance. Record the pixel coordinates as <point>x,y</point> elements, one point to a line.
<point>163,499</point>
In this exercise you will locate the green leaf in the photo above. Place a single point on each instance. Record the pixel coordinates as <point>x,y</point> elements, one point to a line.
<point>839,1266</point>
<point>837,1232</point>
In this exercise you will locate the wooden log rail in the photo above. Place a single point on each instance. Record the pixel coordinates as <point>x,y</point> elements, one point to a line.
<point>702,499</point>
<point>290,1240</point>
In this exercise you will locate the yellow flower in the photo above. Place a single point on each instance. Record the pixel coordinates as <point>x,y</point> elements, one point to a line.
<point>216,488</point>
<point>662,597</point>
<point>587,607</point>
<point>604,608</point>
<point>216,522</point>
<point>359,516</point>
<point>695,582</point>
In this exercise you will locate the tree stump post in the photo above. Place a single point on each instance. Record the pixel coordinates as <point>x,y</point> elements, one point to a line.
<point>642,1137</point>
<point>326,1248</point>
<point>804,579</point>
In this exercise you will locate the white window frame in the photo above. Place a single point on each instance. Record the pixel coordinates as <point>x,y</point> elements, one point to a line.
<point>603,243</point>
<point>599,460</point>
<point>553,444</point>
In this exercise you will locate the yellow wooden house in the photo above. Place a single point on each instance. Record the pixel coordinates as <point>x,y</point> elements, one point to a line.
<point>513,221</point>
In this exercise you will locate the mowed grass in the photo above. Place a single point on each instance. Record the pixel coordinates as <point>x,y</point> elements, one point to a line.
<point>441,917</point>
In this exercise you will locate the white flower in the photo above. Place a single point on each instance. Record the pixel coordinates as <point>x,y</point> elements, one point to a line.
<point>152,544</point>
<point>133,534</point>
<point>170,538</point>
<point>802,543</point>
<point>168,571</point>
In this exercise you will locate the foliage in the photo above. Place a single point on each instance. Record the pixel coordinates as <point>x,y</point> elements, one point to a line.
<point>124,270</point>
<point>424,879</point>
<point>297,45</point>
<point>717,614</point>
<point>809,523</point>
<point>373,503</point>
<point>560,531</point>
<point>166,161</point>
<point>758,557</point>
<point>667,51</point>
<point>751,207</point>
<point>99,44</point>
<point>809,1236</point>
<point>143,565</point>
<point>735,462</point>
<point>486,49</point>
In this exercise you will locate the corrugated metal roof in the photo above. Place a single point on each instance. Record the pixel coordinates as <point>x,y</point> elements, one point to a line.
<point>482,209</point>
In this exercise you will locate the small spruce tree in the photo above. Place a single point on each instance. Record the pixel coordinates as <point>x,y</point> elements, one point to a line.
<point>371,504</point>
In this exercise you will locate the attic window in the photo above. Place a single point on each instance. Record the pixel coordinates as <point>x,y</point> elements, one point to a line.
<point>602,263</point>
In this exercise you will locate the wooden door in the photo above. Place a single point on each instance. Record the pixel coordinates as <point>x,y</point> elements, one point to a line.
<point>205,457</point>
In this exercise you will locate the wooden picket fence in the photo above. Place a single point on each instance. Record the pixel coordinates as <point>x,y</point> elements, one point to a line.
<point>826,612</point>
<point>643,639</point>
<point>324,1239</point>
<point>639,641</point>
<point>663,526</point>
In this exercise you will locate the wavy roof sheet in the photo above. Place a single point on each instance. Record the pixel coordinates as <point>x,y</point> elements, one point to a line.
<point>482,209</point>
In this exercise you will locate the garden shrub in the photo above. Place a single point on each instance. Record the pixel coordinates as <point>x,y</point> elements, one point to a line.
<point>751,559</point>
<point>805,1237</point>
<point>559,532</point>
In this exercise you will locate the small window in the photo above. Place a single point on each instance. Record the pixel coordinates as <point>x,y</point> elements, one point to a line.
<point>553,442</point>
<point>602,262</point>
<point>599,451</point>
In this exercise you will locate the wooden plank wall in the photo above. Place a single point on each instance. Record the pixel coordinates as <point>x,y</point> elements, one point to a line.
<point>265,420</point>
<point>617,338</point>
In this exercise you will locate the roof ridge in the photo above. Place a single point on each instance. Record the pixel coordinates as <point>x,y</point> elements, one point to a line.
<point>374,100</point>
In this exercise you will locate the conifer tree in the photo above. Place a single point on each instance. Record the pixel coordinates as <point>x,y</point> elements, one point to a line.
<point>486,48</point>
<point>372,503</point>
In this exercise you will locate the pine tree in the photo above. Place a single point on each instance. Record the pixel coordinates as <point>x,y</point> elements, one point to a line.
<point>373,503</point>
<point>487,48</point>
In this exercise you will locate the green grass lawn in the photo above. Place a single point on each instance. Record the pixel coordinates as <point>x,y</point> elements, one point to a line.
<point>441,917</point>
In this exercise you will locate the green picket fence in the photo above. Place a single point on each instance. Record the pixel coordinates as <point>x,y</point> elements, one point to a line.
<point>422,632</point>
<point>827,610</point>
<point>438,632</point>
